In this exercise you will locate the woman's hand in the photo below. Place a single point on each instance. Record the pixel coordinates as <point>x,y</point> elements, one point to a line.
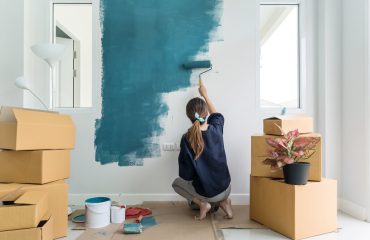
<point>202,89</point>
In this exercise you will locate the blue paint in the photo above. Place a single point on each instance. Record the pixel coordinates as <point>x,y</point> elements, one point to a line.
<point>79,219</point>
<point>144,44</point>
<point>97,200</point>
<point>148,222</point>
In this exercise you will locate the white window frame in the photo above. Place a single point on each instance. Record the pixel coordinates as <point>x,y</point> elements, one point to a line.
<point>306,61</point>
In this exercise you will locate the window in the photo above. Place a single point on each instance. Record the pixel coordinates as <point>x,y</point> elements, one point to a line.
<point>72,87</point>
<point>279,56</point>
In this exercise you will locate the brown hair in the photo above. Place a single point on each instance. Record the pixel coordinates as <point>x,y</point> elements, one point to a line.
<point>194,134</point>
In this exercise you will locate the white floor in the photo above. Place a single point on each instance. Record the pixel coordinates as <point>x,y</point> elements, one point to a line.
<point>351,229</point>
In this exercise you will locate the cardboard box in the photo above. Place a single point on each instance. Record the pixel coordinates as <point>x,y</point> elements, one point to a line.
<point>58,201</point>
<point>295,211</point>
<point>26,129</point>
<point>24,212</point>
<point>43,231</point>
<point>287,123</point>
<point>39,167</point>
<point>259,154</point>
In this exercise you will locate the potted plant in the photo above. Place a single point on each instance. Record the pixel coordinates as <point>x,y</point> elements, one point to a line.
<point>289,152</point>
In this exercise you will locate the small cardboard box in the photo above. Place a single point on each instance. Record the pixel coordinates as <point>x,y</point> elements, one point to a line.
<point>26,129</point>
<point>24,212</point>
<point>58,201</point>
<point>259,154</point>
<point>38,167</point>
<point>43,231</point>
<point>295,211</point>
<point>287,123</point>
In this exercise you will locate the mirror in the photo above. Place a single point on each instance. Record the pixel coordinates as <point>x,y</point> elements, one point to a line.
<point>73,81</point>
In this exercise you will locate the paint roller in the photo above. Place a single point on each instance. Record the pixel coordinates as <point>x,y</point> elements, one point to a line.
<point>198,64</point>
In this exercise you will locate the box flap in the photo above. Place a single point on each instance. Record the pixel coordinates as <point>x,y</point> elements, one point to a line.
<point>31,197</point>
<point>9,192</point>
<point>40,117</point>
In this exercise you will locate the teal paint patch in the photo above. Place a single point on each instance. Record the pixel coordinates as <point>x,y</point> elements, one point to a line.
<point>148,222</point>
<point>144,44</point>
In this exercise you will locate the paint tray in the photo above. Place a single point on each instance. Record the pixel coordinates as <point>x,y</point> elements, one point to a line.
<point>132,228</point>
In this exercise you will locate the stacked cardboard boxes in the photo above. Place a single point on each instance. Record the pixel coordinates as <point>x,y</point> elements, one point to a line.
<point>35,161</point>
<point>296,211</point>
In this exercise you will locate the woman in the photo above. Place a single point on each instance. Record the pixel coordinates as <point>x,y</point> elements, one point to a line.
<point>204,177</point>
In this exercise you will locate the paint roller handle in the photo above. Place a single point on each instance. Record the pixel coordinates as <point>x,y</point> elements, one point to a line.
<point>202,89</point>
<point>203,93</point>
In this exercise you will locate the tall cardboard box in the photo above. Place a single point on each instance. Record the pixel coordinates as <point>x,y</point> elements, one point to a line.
<point>27,129</point>
<point>274,125</point>
<point>58,201</point>
<point>259,154</point>
<point>24,212</point>
<point>43,231</point>
<point>38,167</point>
<point>295,211</point>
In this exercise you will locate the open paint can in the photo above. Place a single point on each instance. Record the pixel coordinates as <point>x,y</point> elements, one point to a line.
<point>97,212</point>
<point>117,214</point>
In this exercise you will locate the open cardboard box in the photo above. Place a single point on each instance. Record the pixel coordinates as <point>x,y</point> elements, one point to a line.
<point>259,154</point>
<point>39,167</point>
<point>287,123</point>
<point>25,211</point>
<point>57,196</point>
<point>27,129</point>
<point>295,211</point>
<point>43,231</point>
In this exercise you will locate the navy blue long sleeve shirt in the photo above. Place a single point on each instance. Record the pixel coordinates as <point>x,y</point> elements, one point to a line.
<point>209,173</point>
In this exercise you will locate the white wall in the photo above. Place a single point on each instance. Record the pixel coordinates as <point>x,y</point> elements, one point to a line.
<point>355,102</point>
<point>329,66</point>
<point>11,51</point>
<point>37,25</point>
<point>232,84</point>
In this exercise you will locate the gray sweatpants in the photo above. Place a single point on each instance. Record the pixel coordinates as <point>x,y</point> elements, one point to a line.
<point>186,189</point>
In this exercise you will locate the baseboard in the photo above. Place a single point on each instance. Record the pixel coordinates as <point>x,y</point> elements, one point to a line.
<point>352,209</point>
<point>129,198</point>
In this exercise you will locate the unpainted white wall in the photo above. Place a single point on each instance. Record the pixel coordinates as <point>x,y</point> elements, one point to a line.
<point>11,51</point>
<point>37,25</point>
<point>355,172</point>
<point>329,88</point>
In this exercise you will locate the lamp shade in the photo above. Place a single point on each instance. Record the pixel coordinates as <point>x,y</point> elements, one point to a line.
<point>21,83</point>
<point>50,52</point>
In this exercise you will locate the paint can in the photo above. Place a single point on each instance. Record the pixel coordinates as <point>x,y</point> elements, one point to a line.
<point>97,212</point>
<point>117,214</point>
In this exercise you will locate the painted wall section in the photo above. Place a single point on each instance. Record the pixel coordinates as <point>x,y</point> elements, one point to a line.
<point>144,44</point>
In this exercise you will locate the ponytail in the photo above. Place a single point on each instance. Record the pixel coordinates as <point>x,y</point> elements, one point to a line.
<point>197,111</point>
<point>195,138</point>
